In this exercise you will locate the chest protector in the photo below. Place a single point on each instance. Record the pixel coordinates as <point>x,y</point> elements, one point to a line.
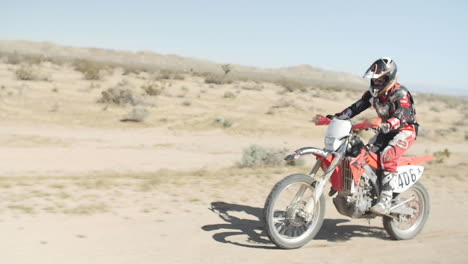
<point>390,106</point>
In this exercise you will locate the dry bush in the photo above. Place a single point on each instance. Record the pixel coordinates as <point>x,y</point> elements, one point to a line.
<point>290,85</point>
<point>229,95</point>
<point>284,103</point>
<point>166,74</point>
<point>441,155</point>
<point>118,96</point>
<point>137,114</point>
<point>26,73</point>
<point>13,59</point>
<point>212,78</point>
<point>90,69</point>
<point>226,68</point>
<point>152,88</point>
<point>258,156</point>
<point>253,87</point>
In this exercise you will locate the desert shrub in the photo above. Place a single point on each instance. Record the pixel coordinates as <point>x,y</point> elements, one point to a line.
<point>152,89</point>
<point>186,103</point>
<point>299,162</point>
<point>284,103</point>
<point>460,123</point>
<point>441,155</point>
<point>258,156</point>
<point>466,135</point>
<point>442,132</point>
<point>166,74</point>
<point>224,122</point>
<point>212,78</point>
<point>118,96</point>
<point>26,73</point>
<point>229,95</point>
<point>226,68</point>
<point>90,69</point>
<point>253,87</point>
<point>290,85</point>
<point>13,59</point>
<point>127,70</point>
<point>434,108</point>
<point>137,114</point>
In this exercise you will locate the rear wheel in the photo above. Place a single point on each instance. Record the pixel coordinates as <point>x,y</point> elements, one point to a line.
<point>287,223</point>
<point>404,226</point>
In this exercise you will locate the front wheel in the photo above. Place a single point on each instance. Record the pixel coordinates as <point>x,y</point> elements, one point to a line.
<point>403,227</point>
<point>287,223</point>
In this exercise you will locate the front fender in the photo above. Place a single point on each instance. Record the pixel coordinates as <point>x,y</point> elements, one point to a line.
<point>319,153</point>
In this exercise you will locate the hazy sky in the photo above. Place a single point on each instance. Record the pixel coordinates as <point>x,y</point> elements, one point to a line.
<point>428,39</point>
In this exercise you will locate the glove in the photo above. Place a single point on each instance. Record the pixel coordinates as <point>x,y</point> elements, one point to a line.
<point>384,128</point>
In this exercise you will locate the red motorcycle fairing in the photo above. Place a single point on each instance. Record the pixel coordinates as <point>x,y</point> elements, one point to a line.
<point>355,165</point>
<point>367,158</point>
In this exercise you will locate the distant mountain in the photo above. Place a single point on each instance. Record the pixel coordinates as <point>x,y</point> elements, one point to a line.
<point>301,73</point>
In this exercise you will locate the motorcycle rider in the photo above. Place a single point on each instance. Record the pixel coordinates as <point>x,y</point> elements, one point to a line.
<point>395,105</point>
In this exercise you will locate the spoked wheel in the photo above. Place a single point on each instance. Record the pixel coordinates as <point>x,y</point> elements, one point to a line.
<point>288,225</point>
<point>407,226</point>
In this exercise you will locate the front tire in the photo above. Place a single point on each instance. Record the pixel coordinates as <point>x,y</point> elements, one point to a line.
<point>407,227</point>
<point>286,222</point>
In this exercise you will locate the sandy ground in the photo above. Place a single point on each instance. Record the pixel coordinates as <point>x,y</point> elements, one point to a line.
<point>78,186</point>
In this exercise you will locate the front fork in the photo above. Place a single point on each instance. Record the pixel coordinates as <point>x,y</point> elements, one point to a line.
<point>320,182</point>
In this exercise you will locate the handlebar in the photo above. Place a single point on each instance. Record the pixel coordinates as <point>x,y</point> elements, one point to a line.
<point>374,122</point>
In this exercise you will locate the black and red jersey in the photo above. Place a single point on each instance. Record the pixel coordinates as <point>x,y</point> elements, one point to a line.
<point>395,107</point>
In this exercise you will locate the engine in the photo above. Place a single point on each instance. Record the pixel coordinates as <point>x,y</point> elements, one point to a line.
<point>353,201</point>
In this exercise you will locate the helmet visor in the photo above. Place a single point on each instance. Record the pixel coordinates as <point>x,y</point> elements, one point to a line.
<point>374,72</point>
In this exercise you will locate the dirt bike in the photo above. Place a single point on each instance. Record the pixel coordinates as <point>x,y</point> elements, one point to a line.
<point>295,208</point>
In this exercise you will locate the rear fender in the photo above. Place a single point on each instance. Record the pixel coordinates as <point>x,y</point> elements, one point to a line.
<point>407,176</point>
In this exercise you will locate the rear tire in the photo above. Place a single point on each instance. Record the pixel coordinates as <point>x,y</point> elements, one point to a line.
<point>416,223</point>
<point>285,223</point>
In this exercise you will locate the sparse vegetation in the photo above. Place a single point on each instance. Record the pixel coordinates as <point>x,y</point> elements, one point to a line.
<point>118,96</point>
<point>299,162</point>
<point>90,69</point>
<point>229,95</point>
<point>137,114</point>
<point>26,73</point>
<point>226,68</point>
<point>441,155</point>
<point>291,86</point>
<point>152,88</point>
<point>257,156</point>
<point>224,122</point>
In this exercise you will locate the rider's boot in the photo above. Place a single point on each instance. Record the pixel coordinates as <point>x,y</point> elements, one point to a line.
<point>385,200</point>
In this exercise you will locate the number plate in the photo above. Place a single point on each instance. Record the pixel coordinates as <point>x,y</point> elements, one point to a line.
<point>407,176</point>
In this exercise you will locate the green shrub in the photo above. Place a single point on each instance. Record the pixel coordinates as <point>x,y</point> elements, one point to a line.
<point>223,122</point>
<point>257,156</point>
